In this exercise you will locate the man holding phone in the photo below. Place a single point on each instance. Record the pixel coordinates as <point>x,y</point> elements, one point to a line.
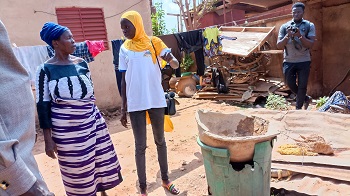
<point>297,37</point>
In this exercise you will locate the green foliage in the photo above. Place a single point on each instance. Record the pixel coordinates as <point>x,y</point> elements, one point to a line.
<point>276,102</point>
<point>320,101</point>
<point>158,21</point>
<point>173,30</point>
<point>187,62</point>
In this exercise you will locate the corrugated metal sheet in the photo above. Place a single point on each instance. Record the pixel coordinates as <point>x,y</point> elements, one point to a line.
<point>85,23</point>
<point>313,185</point>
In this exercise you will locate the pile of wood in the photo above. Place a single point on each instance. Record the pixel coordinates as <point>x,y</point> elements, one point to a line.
<point>246,92</point>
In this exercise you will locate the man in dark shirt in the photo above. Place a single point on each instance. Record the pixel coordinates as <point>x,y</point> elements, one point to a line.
<point>297,37</point>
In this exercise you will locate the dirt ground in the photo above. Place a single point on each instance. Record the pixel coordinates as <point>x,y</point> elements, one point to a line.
<point>185,160</point>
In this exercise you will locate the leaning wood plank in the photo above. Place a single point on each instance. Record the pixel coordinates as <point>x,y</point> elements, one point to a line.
<point>228,98</point>
<point>238,88</point>
<point>339,173</point>
<point>245,29</point>
<point>249,39</point>
<point>281,93</point>
<point>271,52</point>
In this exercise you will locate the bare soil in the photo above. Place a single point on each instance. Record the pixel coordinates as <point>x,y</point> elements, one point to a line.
<point>185,160</point>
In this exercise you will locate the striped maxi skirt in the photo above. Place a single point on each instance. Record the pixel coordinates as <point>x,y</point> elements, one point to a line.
<point>86,156</point>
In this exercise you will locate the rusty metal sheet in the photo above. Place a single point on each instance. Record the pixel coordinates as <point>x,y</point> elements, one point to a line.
<point>249,39</point>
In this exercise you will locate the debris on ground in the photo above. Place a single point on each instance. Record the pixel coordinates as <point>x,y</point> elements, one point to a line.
<point>307,146</point>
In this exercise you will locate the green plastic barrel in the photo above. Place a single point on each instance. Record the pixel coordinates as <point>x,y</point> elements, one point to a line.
<point>223,180</point>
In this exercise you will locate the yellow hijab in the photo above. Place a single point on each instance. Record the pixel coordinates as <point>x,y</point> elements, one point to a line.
<point>141,41</point>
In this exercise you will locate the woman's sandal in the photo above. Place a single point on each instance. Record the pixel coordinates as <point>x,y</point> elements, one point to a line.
<point>171,188</point>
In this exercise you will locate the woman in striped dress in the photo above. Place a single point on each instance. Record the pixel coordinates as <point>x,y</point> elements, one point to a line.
<point>74,129</point>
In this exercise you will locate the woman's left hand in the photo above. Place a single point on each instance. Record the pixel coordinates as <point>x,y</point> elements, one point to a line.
<point>50,148</point>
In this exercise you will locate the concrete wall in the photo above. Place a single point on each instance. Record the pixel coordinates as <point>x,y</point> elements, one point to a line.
<point>24,25</point>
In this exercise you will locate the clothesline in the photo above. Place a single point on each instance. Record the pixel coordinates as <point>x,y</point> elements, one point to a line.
<point>33,56</point>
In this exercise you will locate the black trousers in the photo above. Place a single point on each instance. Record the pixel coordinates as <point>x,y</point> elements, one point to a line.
<point>291,72</point>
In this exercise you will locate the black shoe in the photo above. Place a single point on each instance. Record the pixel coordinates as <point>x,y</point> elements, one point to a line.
<point>307,102</point>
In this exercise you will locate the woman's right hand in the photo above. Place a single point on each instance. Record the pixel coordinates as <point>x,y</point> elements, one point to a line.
<point>50,147</point>
<point>124,119</point>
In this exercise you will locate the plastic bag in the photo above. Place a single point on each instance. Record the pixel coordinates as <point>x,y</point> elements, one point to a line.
<point>168,124</point>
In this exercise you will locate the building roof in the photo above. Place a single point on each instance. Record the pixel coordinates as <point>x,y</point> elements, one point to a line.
<point>256,5</point>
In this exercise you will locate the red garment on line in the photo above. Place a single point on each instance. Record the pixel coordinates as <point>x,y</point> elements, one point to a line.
<point>95,47</point>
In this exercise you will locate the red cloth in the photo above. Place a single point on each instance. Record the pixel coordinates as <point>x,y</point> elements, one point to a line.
<point>95,47</point>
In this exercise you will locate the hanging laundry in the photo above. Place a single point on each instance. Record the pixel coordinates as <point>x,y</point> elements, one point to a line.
<point>116,44</point>
<point>81,51</point>
<point>213,45</point>
<point>337,99</point>
<point>31,57</point>
<point>171,42</point>
<point>192,41</point>
<point>95,47</point>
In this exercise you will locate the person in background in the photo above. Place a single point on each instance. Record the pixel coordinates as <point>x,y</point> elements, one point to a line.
<point>74,130</point>
<point>297,37</point>
<point>142,91</point>
<point>19,172</point>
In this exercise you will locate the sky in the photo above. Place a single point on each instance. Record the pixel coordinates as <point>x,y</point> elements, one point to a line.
<point>169,7</point>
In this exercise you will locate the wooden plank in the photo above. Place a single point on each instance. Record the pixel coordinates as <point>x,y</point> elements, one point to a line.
<point>239,88</point>
<point>339,173</point>
<point>238,85</point>
<point>271,52</point>
<point>245,29</point>
<point>249,39</point>
<point>281,93</point>
<point>228,98</point>
<point>339,160</point>
<point>263,86</point>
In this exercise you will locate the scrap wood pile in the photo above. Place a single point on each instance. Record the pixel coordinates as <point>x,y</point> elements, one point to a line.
<point>244,91</point>
<point>239,73</point>
<point>240,79</point>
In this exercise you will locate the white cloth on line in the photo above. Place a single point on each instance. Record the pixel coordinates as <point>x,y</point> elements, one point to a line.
<point>31,57</point>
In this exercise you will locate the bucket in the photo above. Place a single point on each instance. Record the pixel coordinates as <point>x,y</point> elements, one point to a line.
<point>224,180</point>
<point>235,132</point>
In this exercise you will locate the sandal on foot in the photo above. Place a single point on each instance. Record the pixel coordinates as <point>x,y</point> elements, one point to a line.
<point>171,188</point>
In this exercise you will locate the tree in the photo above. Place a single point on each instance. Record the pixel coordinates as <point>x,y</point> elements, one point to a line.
<point>191,13</point>
<point>158,22</point>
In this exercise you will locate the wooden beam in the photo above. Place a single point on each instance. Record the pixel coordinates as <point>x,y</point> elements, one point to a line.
<point>281,5</point>
<point>250,8</point>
